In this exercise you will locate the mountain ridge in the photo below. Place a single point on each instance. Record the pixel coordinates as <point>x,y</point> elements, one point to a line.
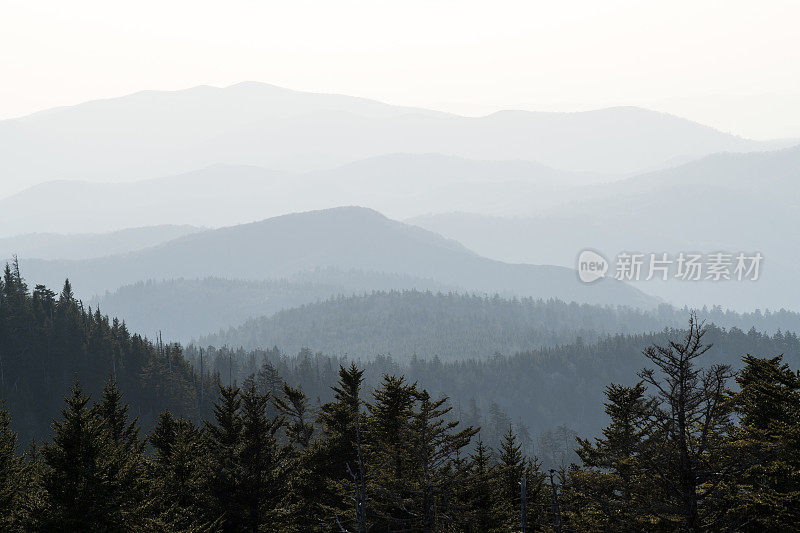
<point>344,238</point>
<point>153,133</point>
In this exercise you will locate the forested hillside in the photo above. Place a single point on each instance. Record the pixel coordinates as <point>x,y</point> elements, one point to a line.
<point>185,309</point>
<point>49,340</point>
<point>455,326</point>
<point>692,456</point>
<point>535,390</point>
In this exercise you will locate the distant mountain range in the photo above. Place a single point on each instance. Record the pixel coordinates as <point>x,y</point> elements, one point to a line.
<point>348,238</point>
<point>402,185</point>
<point>157,133</point>
<point>724,202</point>
<point>89,245</point>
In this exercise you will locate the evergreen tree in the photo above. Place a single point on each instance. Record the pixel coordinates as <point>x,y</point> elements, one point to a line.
<point>512,466</point>
<point>114,413</point>
<point>764,494</point>
<point>612,491</point>
<point>480,497</point>
<point>387,451</point>
<point>224,442</point>
<point>337,455</point>
<point>89,485</point>
<point>294,407</point>
<point>262,483</point>
<point>179,474</point>
<point>434,445</point>
<point>12,476</point>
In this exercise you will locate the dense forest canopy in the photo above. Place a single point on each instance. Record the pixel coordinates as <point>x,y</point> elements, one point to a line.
<point>455,326</point>
<point>553,389</point>
<point>47,340</point>
<point>188,308</point>
<point>693,455</point>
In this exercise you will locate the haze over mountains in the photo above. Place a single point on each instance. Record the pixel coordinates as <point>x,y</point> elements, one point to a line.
<point>457,327</point>
<point>154,167</point>
<point>89,245</point>
<point>348,238</point>
<point>399,185</point>
<point>724,202</point>
<point>158,133</point>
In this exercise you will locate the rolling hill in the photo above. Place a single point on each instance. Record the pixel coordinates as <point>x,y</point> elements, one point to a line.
<point>729,202</point>
<point>347,238</point>
<point>453,326</point>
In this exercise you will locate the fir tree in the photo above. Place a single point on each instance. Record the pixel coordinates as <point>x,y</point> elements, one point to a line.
<point>434,445</point>
<point>387,451</point>
<point>764,494</point>
<point>262,477</point>
<point>480,496</point>
<point>179,475</point>
<point>612,491</point>
<point>90,486</point>
<point>224,441</point>
<point>12,473</point>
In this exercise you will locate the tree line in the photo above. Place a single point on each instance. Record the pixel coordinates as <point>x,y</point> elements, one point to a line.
<point>548,394</point>
<point>47,339</point>
<point>682,451</point>
<point>455,327</point>
<point>687,447</point>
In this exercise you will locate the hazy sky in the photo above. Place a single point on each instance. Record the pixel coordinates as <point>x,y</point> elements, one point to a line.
<point>731,64</point>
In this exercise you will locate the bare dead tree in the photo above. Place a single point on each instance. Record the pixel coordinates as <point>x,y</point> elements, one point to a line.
<point>692,411</point>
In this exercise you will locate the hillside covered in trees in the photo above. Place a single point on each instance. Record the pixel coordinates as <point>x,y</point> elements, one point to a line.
<point>156,437</point>
<point>454,326</point>
<point>47,340</point>
<point>681,451</point>
<point>542,392</point>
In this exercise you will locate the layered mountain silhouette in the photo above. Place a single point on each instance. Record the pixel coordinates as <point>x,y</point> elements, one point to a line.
<point>458,326</point>
<point>347,238</point>
<point>89,245</point>
<point>157,133</point>
<point>724,202</point>
<point>402,185</point>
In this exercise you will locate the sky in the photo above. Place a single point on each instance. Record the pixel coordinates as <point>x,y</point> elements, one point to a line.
<point>730,64</point>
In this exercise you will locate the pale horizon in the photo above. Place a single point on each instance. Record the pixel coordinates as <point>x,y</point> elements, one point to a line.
<point>736,69</point>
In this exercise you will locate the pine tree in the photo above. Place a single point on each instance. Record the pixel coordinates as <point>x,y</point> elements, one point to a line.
<point>480,497</point>
<point>262,483</point>
<point>12,472</point>
<point>434,445</point>
<point>224,441</point>
<point>611,491</point>
<point>764,495</point>
<point>179,475</point>
<point>90,486</point>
